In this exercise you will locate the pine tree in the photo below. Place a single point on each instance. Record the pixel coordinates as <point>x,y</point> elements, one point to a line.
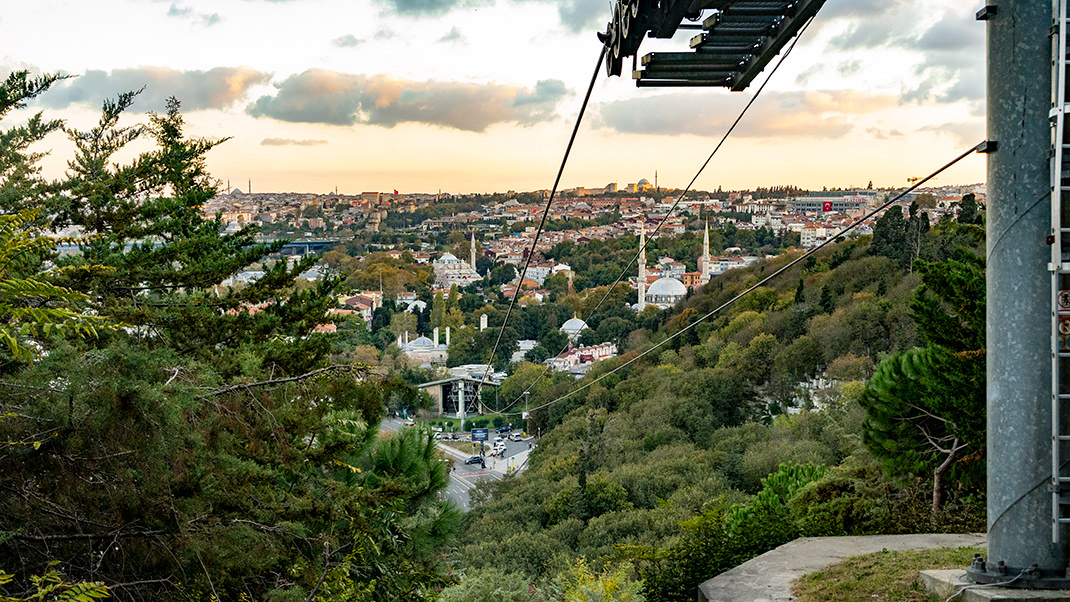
<point>204,449</point>
<point>167,261</point>
<point>890,236</point>
<point>925,408</point>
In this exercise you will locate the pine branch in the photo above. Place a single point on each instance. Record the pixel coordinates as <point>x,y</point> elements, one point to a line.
<point>278,381</point>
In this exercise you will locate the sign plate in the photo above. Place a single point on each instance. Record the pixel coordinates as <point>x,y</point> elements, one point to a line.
<point>479,434</point>
<point>1063,301</point>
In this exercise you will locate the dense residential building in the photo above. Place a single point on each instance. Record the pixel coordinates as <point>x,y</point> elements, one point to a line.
<point>578,360</point>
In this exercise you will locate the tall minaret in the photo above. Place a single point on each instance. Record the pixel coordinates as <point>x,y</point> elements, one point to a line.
<point>642,266</point>
<point>704,261</point>
<point>473,249</point>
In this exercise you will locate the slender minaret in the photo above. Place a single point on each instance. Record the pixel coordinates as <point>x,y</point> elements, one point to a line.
<point>704,261</point>
<point>473,249</point>
<point>642,266</point>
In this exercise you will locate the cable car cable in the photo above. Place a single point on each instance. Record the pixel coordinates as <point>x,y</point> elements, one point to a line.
<point>675,204</point>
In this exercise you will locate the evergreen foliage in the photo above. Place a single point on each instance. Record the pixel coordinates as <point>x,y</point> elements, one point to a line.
<point>926,406</point>
<point>205,449</point>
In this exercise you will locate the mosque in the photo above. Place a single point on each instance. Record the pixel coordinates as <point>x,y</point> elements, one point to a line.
<point>665,292</point>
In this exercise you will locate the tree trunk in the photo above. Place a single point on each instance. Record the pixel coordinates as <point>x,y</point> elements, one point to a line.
<point>938,476</point>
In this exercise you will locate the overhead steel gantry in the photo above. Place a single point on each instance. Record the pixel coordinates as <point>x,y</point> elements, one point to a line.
<point>738,39</point>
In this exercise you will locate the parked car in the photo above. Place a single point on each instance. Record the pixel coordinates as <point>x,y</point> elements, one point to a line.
<point>505,428</point>
<point>474,460</point>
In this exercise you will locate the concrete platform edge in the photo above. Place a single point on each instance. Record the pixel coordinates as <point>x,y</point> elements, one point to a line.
<point>944,583</point>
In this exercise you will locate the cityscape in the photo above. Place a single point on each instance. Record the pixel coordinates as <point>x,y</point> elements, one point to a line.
<point>293,306</point>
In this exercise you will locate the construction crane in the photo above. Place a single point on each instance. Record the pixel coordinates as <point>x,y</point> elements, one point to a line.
<point>738,39</point>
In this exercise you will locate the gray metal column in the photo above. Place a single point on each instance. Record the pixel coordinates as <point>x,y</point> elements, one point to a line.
<point>1019,289</point>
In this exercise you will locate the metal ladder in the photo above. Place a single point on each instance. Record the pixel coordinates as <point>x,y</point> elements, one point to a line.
<point>1059,267</point>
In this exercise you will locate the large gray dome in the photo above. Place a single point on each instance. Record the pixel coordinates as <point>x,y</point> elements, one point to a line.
<point>573,325</point>
<point>422,342</point>
<point>667,287</point>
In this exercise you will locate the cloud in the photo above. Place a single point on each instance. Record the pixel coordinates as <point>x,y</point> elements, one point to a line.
<point>213,89</point>
<point>953,66</point>
<point>175,11</point>
<point>820,114</point>
<point>188,13</point>
<point>318,96</point>
<point>579,16</point>
<point>346,41</point>
<point>965,133</point>
<point>880,134</point>
<point>583,15</point>
<point>429,8</point>
<point>452,36</point>
<point>290,142</point>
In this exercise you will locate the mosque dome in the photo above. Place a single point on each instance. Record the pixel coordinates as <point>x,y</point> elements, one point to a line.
<point>448,257</point>
<point>644,182</point>
<point>667,287</point>
<point>421,343</point>
<point>572,326</point>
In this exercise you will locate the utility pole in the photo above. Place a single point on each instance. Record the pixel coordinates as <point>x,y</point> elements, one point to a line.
<point>460,401</point>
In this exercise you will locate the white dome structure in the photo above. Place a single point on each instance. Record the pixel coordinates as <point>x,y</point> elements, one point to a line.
<point>421,343</point>
<point>665,292</point>
<point>416,306</point>
<point>572,328</point>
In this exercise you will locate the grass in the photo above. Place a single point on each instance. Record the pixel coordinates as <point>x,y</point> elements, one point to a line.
<point>883,576</point>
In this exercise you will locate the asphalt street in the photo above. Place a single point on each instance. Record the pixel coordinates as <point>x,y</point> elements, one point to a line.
<point>465,476</point>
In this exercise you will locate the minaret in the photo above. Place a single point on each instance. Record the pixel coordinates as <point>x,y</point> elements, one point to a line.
<point>642,266</point>
<point>473,249</point>
<point>704,261</point>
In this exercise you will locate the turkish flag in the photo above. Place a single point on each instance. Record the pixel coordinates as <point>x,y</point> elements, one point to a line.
<point>826,206</point>
<point>395,191</point>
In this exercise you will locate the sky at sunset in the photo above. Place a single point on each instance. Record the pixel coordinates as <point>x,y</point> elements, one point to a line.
<point>481,95</point>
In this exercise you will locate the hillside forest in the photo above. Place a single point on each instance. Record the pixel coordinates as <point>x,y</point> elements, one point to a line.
<point>165,437</point>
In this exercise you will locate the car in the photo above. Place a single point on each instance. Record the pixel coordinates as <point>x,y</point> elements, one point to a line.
<point>474,460</point>
<point>505,428</point>
<point>515,437</point>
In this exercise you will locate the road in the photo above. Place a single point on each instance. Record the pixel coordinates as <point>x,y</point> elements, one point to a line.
<point>465,476</point>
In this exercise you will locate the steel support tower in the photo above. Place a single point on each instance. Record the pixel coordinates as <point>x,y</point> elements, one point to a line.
<point>1027,267</point>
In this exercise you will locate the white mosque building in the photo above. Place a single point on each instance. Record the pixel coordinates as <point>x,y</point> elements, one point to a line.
<point>664,292</point>
<point>573,327</point>
<point>450,270</point>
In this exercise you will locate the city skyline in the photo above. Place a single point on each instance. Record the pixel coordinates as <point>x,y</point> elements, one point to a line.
<point>440,95</point>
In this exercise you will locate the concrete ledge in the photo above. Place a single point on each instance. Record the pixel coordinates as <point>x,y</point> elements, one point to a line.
<point>768,578</point>
<point>944,583</point>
